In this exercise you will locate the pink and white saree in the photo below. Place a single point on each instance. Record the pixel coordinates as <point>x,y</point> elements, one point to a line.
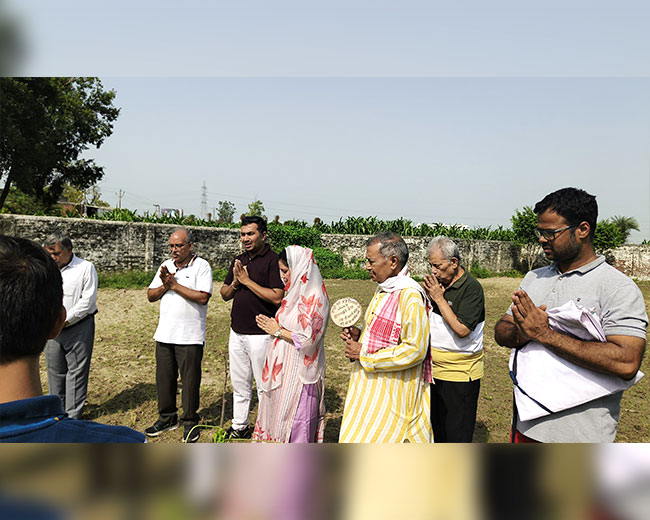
<point>290,370</point>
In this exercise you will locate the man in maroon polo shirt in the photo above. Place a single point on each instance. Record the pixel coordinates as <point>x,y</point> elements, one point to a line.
<point>254,282</point>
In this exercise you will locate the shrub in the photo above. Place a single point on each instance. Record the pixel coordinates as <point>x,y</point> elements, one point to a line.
<point>608,236</point>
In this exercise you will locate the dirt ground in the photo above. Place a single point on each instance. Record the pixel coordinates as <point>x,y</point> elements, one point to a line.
<point>122,386</point>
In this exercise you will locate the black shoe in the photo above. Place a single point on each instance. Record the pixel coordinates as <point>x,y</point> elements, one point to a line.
<point>190,433</point>
<point>161,426</point>
<point>244,433</point>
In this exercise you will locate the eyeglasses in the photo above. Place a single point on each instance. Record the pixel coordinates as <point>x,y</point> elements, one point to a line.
<point>177,246</point>
<point>550,234</point>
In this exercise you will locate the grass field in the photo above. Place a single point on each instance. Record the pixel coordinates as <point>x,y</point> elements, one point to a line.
<point>122,386</point>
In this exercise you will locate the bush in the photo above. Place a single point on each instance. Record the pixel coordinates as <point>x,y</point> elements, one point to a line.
<point>283,235</point>
<point>608,236</point>
<point>327,259</point>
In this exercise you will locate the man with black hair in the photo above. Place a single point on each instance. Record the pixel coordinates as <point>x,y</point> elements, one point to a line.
<point>253,283</point>
<point>68,355</point>
<point>566,222</point>
<point>31,312</point>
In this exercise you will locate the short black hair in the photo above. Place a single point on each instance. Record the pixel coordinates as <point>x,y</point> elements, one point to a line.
<point>254,219</point>
<point>573,204</point>
<point>31,297</point>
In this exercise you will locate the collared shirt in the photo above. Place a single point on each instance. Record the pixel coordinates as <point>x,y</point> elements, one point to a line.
<point>616,299</point>
<point>79,289</point>
<point>264,270</point>
<point>455,358</point>
<point>182,321</point>
<point>42,419</point>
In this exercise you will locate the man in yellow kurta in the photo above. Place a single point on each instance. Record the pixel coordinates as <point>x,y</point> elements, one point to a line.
<point>388,398</point>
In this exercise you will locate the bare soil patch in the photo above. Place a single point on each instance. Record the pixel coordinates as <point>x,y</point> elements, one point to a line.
<point>122,387</point>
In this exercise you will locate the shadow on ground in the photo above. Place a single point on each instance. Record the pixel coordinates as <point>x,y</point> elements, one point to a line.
<point>481,432</point>
<point>126,400</point>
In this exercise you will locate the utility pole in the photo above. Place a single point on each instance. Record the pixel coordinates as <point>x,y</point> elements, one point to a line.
<point>204,200</point>
<point>120,194</point>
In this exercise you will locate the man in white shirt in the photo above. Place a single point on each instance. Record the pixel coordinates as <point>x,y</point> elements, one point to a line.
<point>68,355</point>
<point>183,284</point>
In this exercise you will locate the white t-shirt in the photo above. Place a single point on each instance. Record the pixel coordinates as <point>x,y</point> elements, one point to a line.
<point>182,321</point>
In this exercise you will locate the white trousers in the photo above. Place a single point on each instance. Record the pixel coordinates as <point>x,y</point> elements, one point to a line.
<point>247,354</point>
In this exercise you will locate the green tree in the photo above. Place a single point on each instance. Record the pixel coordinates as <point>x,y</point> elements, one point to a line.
<point>524,223</point>
<point>625,225</point>
<point>47,123</point>
<point>225,211</point>
<point>607,236</point>
<point>256,208</point>
<point>19,203</point>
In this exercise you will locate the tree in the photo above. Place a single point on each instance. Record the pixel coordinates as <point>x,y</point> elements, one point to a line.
<point>19,203</point>
<point>607,236</point>
<point>625,225</point>
<point>46,125</point>
<point>225,211</point>
<point>256,208</point>
<point>524,223</point>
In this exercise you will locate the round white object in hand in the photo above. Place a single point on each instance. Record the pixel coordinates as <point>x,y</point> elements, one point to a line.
<point>345,312</point>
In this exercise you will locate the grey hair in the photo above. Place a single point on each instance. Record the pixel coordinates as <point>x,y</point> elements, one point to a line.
<point>391,244</point>
<point>188,233</point>
<point>58,238</point>
<point>448,247</point>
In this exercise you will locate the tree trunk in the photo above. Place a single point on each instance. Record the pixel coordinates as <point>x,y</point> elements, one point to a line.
<point>5,191</point>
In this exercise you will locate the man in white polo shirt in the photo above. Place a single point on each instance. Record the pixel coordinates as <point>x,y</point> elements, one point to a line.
<point>183,284</point>
<point>68,355</point>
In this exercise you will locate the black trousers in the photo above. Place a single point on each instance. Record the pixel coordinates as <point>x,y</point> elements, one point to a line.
<point>170,360</point>
<point>453,410</point>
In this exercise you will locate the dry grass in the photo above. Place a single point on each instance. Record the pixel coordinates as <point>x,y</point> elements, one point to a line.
<point>122,386</point>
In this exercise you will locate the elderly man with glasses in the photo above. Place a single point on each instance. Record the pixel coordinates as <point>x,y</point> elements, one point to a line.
<point>183,284</point>
<point>581,282</point>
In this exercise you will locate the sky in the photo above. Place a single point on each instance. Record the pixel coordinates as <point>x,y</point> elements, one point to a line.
<point>432,111</point>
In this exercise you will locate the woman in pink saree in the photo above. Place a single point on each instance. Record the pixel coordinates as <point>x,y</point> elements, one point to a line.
<point>292,407</point>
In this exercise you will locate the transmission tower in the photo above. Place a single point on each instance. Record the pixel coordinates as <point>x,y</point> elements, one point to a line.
<point>204,201</point>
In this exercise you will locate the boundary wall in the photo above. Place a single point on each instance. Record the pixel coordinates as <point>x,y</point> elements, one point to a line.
<point>120,246</point>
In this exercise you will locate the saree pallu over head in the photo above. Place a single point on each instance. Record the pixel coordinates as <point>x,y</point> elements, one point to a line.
<point>304,312</point>
<point>385,325</point>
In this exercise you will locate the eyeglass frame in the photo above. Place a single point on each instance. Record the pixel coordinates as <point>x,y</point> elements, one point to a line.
<point>178,246</point>
<point>539,233</point>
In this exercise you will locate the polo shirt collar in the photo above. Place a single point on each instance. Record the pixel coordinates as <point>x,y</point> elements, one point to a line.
<point>263,252</point>
<point>600,259</point>
<point>459,283</point>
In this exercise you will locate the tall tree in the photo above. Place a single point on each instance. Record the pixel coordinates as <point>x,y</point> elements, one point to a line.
<point>524,223</point>
<point>225,211</point>
<point>46,124</point>
<point>625,225</point>
<point>256,208</point>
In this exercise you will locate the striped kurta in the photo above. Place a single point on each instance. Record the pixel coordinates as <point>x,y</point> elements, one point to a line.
<point>387,399</point>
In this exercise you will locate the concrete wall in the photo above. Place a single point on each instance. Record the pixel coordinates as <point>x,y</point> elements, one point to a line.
<point>116,246</point>
<point>490,254</point>
<point>120,246</point>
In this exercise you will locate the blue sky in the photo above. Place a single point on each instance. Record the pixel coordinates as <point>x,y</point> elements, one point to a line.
<point>434,111</point>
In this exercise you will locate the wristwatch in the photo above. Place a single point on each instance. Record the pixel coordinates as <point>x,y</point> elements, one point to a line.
<point>278,332</point>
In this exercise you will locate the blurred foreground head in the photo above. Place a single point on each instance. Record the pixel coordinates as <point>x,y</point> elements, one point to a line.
<point>31,298</point>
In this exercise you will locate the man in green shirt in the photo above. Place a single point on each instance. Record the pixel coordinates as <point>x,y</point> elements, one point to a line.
<point>457,320</point>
